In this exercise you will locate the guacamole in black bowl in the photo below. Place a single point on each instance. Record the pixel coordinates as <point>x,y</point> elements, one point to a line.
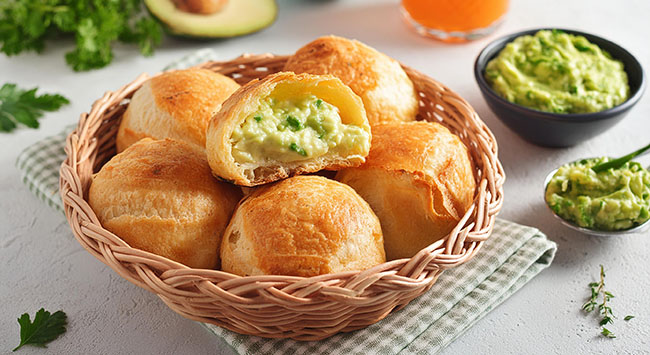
<point>571,120</point>
<point>555,71</point>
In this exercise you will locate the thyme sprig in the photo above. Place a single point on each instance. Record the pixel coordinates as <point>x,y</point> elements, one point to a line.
<point>604,308</point>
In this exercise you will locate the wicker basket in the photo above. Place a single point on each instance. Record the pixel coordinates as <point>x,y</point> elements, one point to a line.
<point>282,306</point>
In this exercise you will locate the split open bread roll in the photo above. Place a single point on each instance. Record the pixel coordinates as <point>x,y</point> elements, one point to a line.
<point>177,105</point>
<point>418,179</point>
<point>387,92</point>
<point>159,196</point>
<point>302,226</point>
<point>287,124</point>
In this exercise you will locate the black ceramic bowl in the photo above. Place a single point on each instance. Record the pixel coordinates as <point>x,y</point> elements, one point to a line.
<point>557,129</point>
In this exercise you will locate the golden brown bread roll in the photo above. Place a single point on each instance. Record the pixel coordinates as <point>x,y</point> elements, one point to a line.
<point>418,179</point>
<point>287,124</point>
<point>387,92</point>
<point>159,196</point>
<point>177,105</point>
<point>302,226</point>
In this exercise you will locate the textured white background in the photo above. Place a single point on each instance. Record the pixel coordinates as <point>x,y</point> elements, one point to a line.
<point>41,265</point>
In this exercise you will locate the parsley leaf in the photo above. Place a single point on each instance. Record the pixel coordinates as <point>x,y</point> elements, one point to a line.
<point>95,25</point>
<point>146,34</point>
<point>24,106</point>
<point>45,328</point>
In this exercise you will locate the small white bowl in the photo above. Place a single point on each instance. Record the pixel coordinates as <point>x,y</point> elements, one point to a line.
<point>601,233</point>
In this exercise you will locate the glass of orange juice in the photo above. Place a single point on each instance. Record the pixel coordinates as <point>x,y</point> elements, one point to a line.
<point>454,20</point>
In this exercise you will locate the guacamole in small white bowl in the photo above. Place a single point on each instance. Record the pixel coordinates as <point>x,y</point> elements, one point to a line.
<point>609,202</point>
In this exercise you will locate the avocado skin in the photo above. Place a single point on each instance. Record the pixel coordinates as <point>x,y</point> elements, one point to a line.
<point>169,30</point>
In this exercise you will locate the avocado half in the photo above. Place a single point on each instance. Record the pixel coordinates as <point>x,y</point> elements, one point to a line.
<point>235,18</point>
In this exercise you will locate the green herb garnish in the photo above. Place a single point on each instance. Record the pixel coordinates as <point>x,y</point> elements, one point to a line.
<point>294,123</point>
<point>318,103</point>
<point>296,148</point>
<point>25,25</point>
<point>606,333</point>
<point>618,162</point>
<point>604,310</point>
<point>598,288</point>
<point>45,328</point>
<point>24,106</point>
<point>257,118</point>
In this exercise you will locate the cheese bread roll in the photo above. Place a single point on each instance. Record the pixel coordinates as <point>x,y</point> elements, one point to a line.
<point>302,226</point>
<point>177,105</point>
<point>287,124</point>
<point>159,196</point>
<point>387,92</point>
<point>418,179</point>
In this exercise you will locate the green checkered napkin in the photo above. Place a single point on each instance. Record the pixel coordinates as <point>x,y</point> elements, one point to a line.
<point>39,163</point>
<point>461,296</point>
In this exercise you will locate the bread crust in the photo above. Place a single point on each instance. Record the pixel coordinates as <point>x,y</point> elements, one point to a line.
<point>176,104</point>
<point>302,226</point>
<point>247,99</point>
<point>159,196</point>
<point>418,179</point>
<point>387,92</point>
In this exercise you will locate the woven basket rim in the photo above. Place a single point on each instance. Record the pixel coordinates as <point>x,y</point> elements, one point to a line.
<point>84,145</point>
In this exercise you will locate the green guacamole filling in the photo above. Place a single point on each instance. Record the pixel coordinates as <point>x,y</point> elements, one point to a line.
<point>554,71</point>
<point>294,130</point>
<point>614,199</point>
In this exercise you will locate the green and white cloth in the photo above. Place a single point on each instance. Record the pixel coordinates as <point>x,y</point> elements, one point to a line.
<point>461,296</point>
<point>39,163</point>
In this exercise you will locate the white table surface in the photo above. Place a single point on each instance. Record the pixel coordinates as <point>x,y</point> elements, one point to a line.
<point>42,265</point>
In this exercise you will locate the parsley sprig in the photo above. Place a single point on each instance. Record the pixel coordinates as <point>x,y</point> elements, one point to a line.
<point>24,106</point>
<point>45,328</point>
<point>25,25</point>
<point>604,308</point>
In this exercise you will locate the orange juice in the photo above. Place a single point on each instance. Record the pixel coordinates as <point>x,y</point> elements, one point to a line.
<point>454,20</point>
